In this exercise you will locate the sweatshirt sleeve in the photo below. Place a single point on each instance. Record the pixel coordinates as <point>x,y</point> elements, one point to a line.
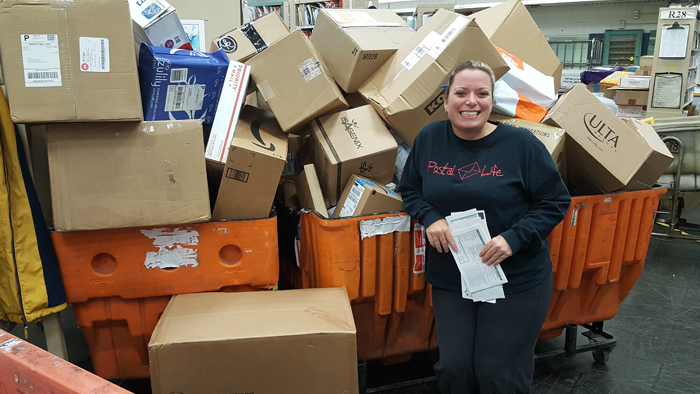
<point>411,188</point>
<point>549,203</point>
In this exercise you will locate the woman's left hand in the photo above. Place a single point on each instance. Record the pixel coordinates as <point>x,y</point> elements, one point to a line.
<point>495,251</point>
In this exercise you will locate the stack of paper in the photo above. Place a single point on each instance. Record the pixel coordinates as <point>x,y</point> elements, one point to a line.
<point>480,282</point>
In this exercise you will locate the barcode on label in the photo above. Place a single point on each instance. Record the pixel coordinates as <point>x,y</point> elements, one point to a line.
<point>352,201</point>
<point>51,37</point>
<point>420,50</point>
<point>102,54</point>
<point>448,35</point>
<point>236,175</point>
<point>179,98</point>
<point>42,75</point>
<point>178,75</point>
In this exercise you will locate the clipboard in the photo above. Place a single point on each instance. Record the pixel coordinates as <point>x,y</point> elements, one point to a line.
<point>674,41</point>
<point>668,90</point>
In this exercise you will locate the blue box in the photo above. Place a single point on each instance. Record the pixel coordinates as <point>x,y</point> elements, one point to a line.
<point>178,84</point>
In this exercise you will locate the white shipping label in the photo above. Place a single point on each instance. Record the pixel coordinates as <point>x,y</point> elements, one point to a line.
<point>42,65</point>
<point>184,97</point>
<point>352,201</point>
<point>431,39</point>
<point>310,69</point>
<point>447,36</point>
<point>178,75</point>
<point>94,54</point>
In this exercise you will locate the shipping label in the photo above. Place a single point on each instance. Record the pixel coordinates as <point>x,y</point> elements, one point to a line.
<point>184,97</point>
<point>310,69</point>
<point>447,36</point>
<point>42,64</point>
<point>431,39</point>
<point>94,54</point>
<point>352,201</point>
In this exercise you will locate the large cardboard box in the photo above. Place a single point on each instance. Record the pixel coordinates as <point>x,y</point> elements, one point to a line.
<point>253,168</point>
<point>657,161</point>
<point>295,83</point>
<point>553,138</point>
<point>355,141</point>
<point>248,40</point>
<point>290,341</point>
<point>407,90</point>
<point>355,43</point>
<point>156,22</point>
<point>363,196</point>
<point>111,175</point>
<point>510,26</point>
<point>69,61</point>
<point>603,153</point>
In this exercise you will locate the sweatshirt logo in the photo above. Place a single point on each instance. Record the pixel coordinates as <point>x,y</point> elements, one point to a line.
<point>350,126</point>
<point>600,130</point>
<point>464,172</point>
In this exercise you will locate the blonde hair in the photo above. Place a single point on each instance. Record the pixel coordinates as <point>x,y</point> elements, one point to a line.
<point>471,65</point>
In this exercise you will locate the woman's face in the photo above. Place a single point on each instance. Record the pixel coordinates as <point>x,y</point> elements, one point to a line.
<point>469,102</point>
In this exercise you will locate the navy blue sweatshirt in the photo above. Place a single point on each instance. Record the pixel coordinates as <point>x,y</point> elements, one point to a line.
<point>509,174</point>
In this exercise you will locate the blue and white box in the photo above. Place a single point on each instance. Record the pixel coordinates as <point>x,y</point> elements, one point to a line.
<point>178,84</point>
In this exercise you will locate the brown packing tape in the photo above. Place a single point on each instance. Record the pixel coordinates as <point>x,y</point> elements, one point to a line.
<point>327,317</point>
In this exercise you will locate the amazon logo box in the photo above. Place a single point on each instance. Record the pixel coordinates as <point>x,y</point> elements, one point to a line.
<point>604,154</point>
<point>253,167</point>
<point>350,142</point>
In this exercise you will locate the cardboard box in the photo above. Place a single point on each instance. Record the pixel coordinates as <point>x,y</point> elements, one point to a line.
<point>510,26</point>
<point>38,155</point>
<point>289,341</point>
<point>178,84</point>
<point>228,110</point>
<point>635,82</point>
<point>355,43</point>
<point>553,138</point>
<point>253,168</point>
<point>156,22</point>
<point>81,82</point>
<point>631,97</point>
<point>632,111</point>
<point>646,61</point>
<point>295,83</point>
<point>309,191</point>
<point>218,16</point>
<point>111,175</point>
<point>603,153</point>
<point>643,71</point>
<point>248,40</point>
<point>658,159</point>
<point>363,196</point>
<point>355,141</point>
<point>406,91</point>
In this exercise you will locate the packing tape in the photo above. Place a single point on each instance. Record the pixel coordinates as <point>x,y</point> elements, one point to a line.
<point>334,321</point>
<point>370,228</point>
<point>266,91</point>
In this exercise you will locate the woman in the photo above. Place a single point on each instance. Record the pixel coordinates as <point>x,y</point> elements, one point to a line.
<point>466,162</point>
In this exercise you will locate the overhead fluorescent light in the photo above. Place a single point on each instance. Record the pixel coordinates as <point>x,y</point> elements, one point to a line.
<point>474,6</point>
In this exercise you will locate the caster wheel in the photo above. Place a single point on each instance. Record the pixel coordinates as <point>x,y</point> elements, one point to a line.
<point>601,355</point>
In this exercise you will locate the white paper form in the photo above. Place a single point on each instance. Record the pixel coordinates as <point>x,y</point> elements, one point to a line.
<point>477,275</point>
<point>667,91</point>
<point>674,40</point>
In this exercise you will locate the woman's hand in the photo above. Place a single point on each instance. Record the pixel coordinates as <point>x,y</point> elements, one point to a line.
<point>440,237</point>
<point>495,251</point>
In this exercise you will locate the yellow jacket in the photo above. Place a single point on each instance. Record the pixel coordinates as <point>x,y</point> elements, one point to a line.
<point>30,281</point>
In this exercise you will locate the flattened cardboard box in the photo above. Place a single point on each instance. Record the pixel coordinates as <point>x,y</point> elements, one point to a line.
<point>69,61</point>
<point>363,196</point>
<point>295,83</point>
<point>510,26</point>
<point>248,40</point>
<point>603,153</point>
<point>355,141</point>
<point>112,175</point>
<point>289,341</point>
<point>406,91</point>
<point>553,138</point>
<point>253,169</point>
<point>355,43</point>
<point>309,191</point>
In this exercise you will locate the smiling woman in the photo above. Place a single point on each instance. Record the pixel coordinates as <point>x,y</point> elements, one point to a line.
<point>467,162</point>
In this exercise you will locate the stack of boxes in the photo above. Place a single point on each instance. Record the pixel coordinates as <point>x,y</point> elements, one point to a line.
<point>315,120</point>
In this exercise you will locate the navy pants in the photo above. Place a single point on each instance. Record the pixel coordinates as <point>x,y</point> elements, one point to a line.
<point>489,348</point>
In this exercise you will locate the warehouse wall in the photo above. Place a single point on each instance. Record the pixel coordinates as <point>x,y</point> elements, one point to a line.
<point>582,20</point>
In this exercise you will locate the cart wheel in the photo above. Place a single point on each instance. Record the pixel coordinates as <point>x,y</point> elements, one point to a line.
<point>601,355</point>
